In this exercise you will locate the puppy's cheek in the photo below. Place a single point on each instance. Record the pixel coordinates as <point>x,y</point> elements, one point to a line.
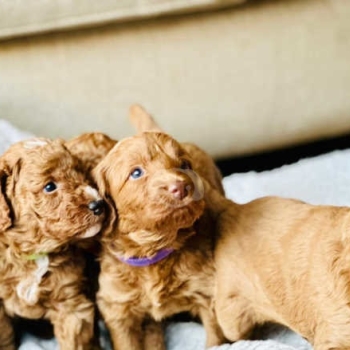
<point>189,214</point>
<point>91,232</point>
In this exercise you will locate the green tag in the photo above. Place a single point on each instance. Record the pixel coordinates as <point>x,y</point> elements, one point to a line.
<point>34,256</point>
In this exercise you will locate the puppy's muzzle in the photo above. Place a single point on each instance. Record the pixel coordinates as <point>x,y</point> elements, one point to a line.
<point>97,207</point>
<point>179,189</point>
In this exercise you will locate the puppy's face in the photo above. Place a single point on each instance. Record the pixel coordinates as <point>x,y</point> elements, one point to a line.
<point>150,180</point>
<point>45,198</point>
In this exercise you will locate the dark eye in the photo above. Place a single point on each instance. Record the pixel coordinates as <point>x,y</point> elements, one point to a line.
<point>185,165</point>
<point>50,187</point>
<point>136,173</point>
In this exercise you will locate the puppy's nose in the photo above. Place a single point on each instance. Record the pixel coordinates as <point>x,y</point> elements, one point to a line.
<point>178,189</point>
<point>97,207</point>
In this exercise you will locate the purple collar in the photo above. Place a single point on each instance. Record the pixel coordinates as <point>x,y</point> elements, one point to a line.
<point>162,254</point>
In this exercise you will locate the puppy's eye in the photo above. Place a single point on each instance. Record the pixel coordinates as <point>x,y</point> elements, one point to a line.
<point>185,165</point>
<point>50,187</point>
<point>136,173</point>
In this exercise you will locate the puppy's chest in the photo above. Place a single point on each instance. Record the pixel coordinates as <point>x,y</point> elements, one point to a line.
<point>165,292</point>
<point>28,289</point>
<point>21,287</point>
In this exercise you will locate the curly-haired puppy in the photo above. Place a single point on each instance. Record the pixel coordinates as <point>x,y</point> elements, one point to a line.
<point>46,203</point>
<point>284,261</point>
<point>157,257</point>
<point>90,148</point>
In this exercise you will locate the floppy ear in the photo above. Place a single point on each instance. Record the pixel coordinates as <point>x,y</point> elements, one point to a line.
<point>142,120</point>
<point>5,214</point>
<point>10,164</point>
<point>100,177</point>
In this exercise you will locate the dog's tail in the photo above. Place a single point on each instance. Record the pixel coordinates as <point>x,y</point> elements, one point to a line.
<point>142,120</point>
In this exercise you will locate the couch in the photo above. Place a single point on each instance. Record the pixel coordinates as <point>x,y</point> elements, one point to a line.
<point>236,77</point>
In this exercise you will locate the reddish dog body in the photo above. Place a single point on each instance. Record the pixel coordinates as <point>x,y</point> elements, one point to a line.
<point>285,261</point>
<point>160,210</point>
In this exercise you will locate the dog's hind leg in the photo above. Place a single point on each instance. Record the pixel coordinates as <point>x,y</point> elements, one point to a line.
<point>213,331</point>
<point>235,317</point>
<point>333,335</point>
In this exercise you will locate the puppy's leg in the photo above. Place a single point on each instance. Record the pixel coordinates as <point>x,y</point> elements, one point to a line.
<point>153,336</point>
<point>7,336</point>
<point>73,322</point>
<point>213,331</point>
<point>125,329</point>
<point>329,346</point>
<point>235,317</point>
<point>334,334</point>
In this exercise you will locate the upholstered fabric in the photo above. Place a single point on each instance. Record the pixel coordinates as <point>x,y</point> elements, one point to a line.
<point>244,79</point>
<point>24,17</point>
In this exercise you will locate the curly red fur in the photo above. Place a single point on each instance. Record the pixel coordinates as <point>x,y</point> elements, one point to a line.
<point>90,148</point>
<point>151,218</point>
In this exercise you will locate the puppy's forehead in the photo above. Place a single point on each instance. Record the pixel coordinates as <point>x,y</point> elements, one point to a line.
<point>46,154</point>
<point>150,145</point>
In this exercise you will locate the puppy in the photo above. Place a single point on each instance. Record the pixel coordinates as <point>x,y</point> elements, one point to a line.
<point>90,148</point>
<point>203,164</point>
<point>157,257</point>
<point>284,261</point>
<point>46,203</point>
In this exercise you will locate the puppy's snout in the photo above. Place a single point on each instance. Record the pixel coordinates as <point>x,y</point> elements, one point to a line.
<point>97,207</point>
<point>179,189</point>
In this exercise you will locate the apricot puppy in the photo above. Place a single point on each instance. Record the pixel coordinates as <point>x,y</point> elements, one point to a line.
<point>157,257</point>
<point>46,203</point>
<point>284,261</point>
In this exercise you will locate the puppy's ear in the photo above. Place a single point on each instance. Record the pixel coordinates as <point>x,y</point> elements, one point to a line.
<point>99,174</point>
<point>10,164</point>
<point>100,177</point>
<point>5,216</point>
<point>141,120</point>
<point>7,170</point>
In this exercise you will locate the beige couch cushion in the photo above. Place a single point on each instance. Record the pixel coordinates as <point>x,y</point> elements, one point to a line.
<point>245,79</point>
<point>23,17</point>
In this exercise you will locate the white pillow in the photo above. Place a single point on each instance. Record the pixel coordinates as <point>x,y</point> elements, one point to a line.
<point>324,179</point>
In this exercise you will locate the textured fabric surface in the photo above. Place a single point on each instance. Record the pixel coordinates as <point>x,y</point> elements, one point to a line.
<point>24,17</point>
<point>191,336</point>
<point>252,77</point>
<point>324,180</point>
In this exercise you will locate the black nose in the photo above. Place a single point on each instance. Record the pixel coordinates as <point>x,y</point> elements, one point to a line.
<point>97,207</point>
